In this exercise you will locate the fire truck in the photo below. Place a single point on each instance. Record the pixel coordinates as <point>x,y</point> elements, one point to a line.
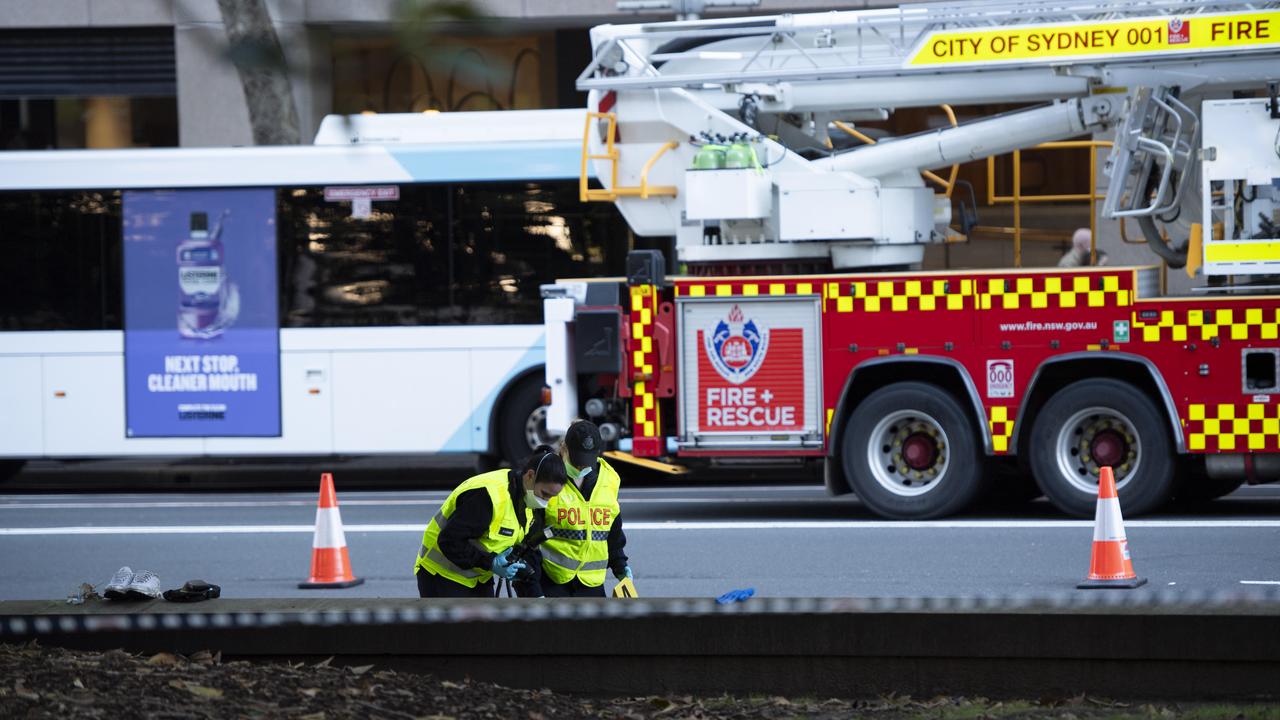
<point>802,326</point>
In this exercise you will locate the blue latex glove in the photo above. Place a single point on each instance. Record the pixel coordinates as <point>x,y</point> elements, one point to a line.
<point>736,596</point>
<point>505,569</point>
<point>626,573</point>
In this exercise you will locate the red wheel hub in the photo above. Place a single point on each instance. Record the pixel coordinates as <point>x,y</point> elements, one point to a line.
<point>1108,448</point>
<point>919,451</point>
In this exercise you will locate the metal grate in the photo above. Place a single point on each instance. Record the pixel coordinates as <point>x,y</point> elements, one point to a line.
<point>45,63</point>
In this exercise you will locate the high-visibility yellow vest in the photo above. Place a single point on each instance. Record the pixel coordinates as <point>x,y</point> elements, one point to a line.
<point>579,542</point>
<point>504,530</point>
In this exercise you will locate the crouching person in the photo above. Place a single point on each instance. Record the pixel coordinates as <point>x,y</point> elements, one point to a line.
<point>470,538</point>
<point>584,520</point>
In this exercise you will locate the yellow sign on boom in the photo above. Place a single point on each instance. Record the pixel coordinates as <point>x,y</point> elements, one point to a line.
<point>1160,36</point>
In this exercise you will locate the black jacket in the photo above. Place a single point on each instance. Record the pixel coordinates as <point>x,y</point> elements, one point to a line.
<point>472,513</point>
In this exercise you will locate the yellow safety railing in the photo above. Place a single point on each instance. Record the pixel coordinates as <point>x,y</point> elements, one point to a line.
<point>611,193</point>
<point>1017,198</point>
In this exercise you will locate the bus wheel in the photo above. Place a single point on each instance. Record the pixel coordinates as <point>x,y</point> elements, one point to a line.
<point>910,452</point>
<point>522,422</point>
<point>1095,423</point>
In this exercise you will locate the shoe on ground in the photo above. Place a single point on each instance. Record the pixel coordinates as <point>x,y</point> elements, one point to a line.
<point>193,591</point>
<point>145,586</point>
<point>118,586</point>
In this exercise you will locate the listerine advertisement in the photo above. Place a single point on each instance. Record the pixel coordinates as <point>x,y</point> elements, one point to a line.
<point>201,339</point>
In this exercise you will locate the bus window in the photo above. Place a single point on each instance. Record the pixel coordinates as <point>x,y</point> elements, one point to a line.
<point>61,261</point>
<point>390,268</point>
<point>471,253</point>
<point>511,238</point>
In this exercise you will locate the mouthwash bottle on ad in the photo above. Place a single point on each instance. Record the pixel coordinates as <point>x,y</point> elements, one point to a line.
<point>201,280</point>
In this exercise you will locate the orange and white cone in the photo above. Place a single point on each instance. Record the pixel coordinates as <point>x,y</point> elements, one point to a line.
<point>1110,566</point>
<point>330,563</point>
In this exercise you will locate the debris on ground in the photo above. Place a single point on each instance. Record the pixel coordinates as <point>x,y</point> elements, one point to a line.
<point>38,683</point>
<point>83,593</point>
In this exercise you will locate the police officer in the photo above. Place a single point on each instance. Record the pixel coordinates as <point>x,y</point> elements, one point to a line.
<point>467,542</point>
<point>585,521</point>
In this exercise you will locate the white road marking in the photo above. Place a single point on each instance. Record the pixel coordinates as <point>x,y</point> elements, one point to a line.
<point>1260,582</point>
<point>675,525</point>
<point>357,503</point>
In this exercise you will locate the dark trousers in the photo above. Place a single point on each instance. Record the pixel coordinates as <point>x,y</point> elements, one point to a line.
<point>573,588</point>
<point>431,585</point>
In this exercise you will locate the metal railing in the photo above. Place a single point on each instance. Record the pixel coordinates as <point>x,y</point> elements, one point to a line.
<point>611,193</point>
<point>1017,198</point>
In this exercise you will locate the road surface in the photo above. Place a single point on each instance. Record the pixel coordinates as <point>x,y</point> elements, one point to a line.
<point>782,540</point>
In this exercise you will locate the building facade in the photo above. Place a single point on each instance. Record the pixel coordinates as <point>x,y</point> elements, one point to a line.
<point>143,73</point>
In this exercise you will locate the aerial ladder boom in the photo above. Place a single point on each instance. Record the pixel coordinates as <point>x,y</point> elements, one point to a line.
<point>787,92</point>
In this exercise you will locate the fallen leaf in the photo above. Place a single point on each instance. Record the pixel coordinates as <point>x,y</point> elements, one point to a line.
<point>204,692</point>
<point>310,692</point>
<point>313,716</point>
<point>450,685</point>
<point>360,669</point>
<point>324,663</point>
<point>163,659</point>
<point>660,703</point>
<point>78,684</point>
<point>21,691</point>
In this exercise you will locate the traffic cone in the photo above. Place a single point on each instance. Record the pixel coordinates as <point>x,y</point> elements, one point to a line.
<point>330,563</point>
<point>1110,566</point>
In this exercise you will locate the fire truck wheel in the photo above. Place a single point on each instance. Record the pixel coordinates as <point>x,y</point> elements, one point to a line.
<point>522,421</point>
<point>1095,423</point>
<point>910,452</point>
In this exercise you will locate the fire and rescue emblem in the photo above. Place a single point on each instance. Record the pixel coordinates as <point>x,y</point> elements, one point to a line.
<point>1179,31</point>
<point>736,348</point>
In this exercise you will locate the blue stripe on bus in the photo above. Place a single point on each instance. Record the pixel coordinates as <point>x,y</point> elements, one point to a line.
<point>523,161</point>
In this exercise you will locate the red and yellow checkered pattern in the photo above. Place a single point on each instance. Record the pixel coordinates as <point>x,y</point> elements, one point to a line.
<point>1182,325</point>
<point>898,295</point>
<point>746,289</point>
<point>644,309</point>
<point>1232,427</point>
<point>1000,423</point>
<point>1052,291</point>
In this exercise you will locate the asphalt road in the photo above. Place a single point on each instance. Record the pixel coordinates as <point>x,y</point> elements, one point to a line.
<point>782,540</point>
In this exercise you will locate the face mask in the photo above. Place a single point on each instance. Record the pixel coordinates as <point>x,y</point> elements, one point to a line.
<point>533,501</point>
<point>574,473</point>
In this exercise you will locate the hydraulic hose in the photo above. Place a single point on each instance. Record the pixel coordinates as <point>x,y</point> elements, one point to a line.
<point>1176,258</point>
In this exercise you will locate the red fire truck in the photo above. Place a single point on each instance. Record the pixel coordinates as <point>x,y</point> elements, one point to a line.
<point>913,385</point>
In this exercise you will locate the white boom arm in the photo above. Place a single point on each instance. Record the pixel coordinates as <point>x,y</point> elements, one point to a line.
<point>777,85</point>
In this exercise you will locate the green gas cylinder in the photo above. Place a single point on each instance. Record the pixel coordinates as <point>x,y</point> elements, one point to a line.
<point>709,157</point>
<point>738,155</point>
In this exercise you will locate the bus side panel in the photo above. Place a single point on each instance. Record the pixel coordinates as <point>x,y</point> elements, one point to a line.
<point>400,401</point>
<point>306,412</point>
<point>83,403</point>
<point>493,370</point>
<point>21,429</point>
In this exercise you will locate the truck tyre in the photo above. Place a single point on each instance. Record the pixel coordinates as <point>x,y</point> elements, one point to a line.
<point>1094,423</point>
<point>1193,486</point>
<point>522,420</point>
<point>911,452</point>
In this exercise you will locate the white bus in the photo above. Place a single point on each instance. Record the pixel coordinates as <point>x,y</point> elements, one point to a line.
<point>410,326</point>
